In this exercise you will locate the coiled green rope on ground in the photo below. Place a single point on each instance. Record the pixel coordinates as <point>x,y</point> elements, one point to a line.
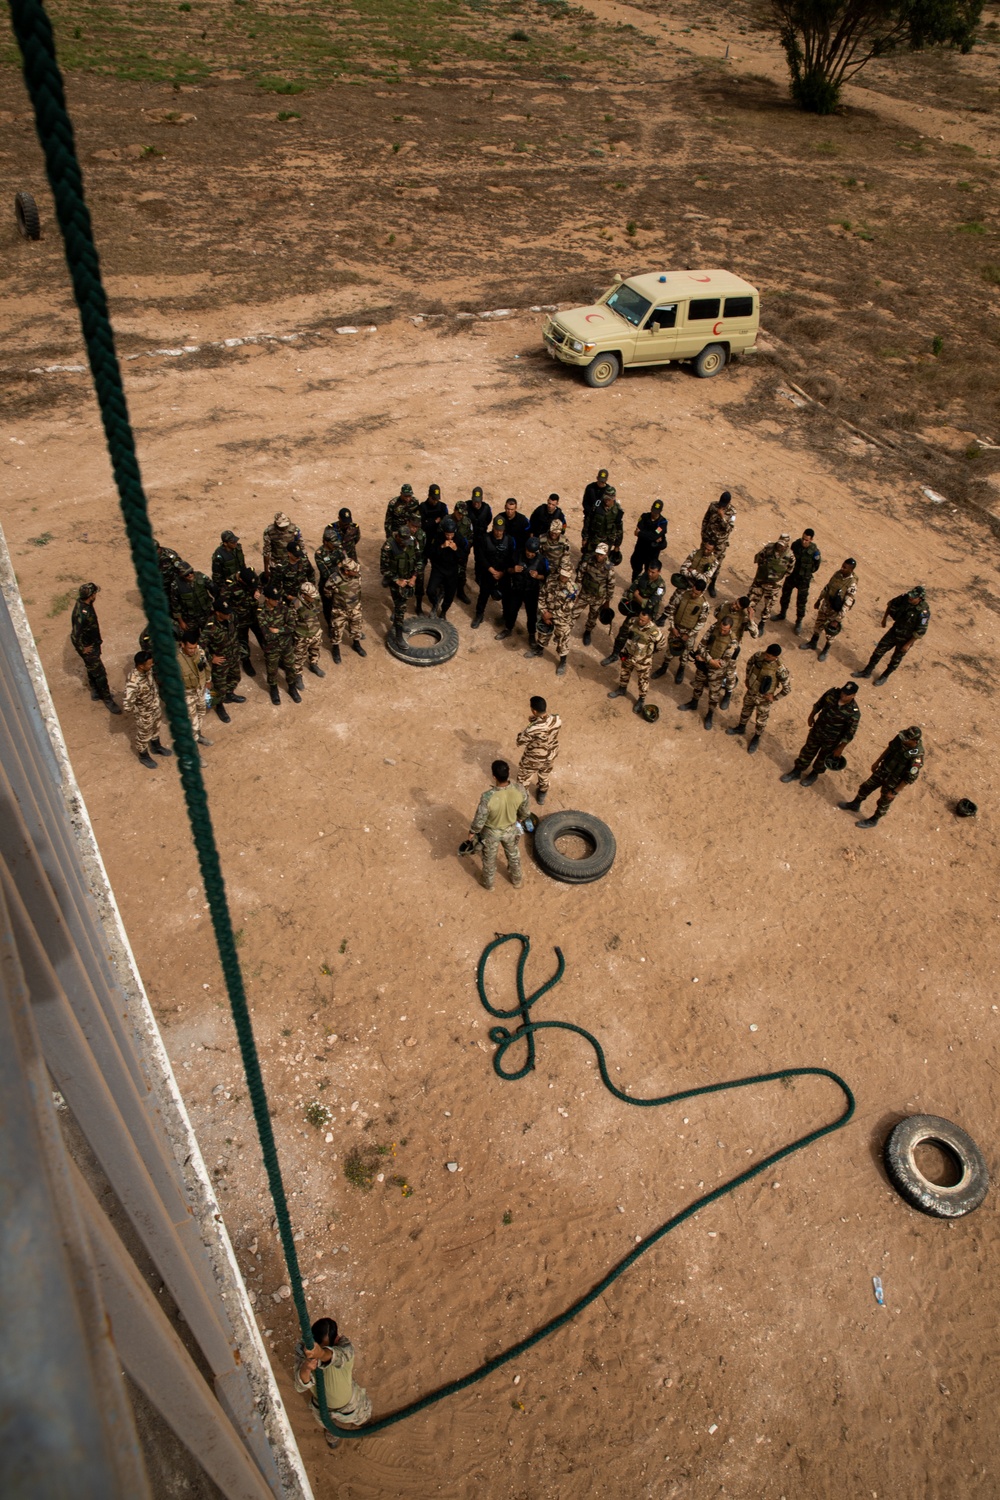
<point>55,132</point>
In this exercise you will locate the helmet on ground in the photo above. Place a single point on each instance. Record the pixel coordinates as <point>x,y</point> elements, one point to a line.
<point>650,713</point>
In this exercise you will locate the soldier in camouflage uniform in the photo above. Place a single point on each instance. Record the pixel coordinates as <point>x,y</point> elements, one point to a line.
<point>418,540</point>
<point>398,566</point>
<point>169,561</point>
<point>766,680</point>
<point>349,532</point>
<point>142,699</point>
<point>308,632</point>
<point>498,821</point>
<point>288,572</point>
<point>85,634</point>
<point>898,766</point>
<point>242,594</point>
<point>277,537</point>
<point>833,723</point>
<point>711,661</point>
<point>227,561</point>
<point>399,510</point>
<point>329,555</point>
<point>688,616</point>
<point>701,563</point>
<point>645,592</point>
<point>221,645</point>
<point>194,675</point>
<point>539,740</point>
<point>832,605</point>
<point>643,640</point>
<point>739,612</point>
<point>463,536</point>
<point>804,568</point>
<point>606,523</point>
<point>596,577</point>
<point>277,623</point>
<point>717,527</point>
<point>557,606</point>
<point>193,599</point>
<point>344,590</point>
<point>555,548</point>
<point>910,615</point>
<point>774,563</point>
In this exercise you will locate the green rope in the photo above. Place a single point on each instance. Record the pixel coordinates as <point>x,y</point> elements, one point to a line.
<point>503,1039</point>
<point>55,132</point>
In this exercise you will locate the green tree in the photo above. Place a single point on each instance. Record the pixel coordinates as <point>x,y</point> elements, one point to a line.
<point>827,42</point>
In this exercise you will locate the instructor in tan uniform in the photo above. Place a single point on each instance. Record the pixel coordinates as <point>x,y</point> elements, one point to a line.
<point>497,822</point>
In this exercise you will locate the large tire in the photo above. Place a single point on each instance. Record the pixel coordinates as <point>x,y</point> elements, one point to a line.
<point>443,648</point>
<point>910,1183</point>
<point>575,871</point>
<point>603,370</point>
<point>29,225</point>
<point>710,361</point>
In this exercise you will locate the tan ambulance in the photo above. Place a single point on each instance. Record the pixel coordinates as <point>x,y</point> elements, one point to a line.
<point>700,317</point>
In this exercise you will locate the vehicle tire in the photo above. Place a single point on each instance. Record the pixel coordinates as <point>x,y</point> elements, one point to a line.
<point>26,216</point>
<point>918,1190</point>
<point>560,866</point>
<point>710,361</point>
<point>444,646</point>
<point>603,370</point>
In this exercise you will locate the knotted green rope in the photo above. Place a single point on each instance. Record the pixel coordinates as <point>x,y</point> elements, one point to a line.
<point>55,131</point>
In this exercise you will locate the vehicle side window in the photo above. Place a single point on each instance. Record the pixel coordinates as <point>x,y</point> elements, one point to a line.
<point>738,307</point>
<point>662,317</point>
<point>701,308</point>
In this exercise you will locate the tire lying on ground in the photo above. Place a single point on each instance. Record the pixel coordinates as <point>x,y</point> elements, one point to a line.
<point>441,646</point>
<point>29,225</point>
<point>906,1177</point>
<point>560,866</point>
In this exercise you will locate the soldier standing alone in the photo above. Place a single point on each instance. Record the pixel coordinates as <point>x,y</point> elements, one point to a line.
<point>497,821</point>
<point>898,766</point>
<point>540,741</point>
<point>85,634</point>
<point>910,615</point>
<point>833,723</point>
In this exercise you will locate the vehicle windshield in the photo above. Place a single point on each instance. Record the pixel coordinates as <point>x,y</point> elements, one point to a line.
<point>629,305</point>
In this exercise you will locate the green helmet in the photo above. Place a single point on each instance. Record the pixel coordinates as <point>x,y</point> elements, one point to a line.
<point>650,713</point>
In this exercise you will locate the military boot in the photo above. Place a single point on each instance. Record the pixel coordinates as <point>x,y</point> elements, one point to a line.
<point>145,759</point>
<point>811,643</point>
<point>275,697</point>
<point>222,714</point>
<point>867,822</point>
<point>688,707</point>
<point>316,669</point>
<point>709,719</point>
<point>679,674</point>
<point>336,654</point>
<point>853,806</point>
<point>234,698</point>
<point>727,698</point>
<point>249,668</point>
<point>662,669</point>
<point>294,693</point>
<point>754,745</point>
<point>607,660</point>
<point>159,749</point>
<point>586,637</point>
<point>824,653</point>
<point>357,646</point>
<point>112,706</point>
<point>737,729</point>
<point>561,668</point>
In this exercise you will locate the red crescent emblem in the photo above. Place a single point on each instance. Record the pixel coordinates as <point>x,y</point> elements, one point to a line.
<point>595,318</point>
<point>701,278</point>
<point>717,328</point>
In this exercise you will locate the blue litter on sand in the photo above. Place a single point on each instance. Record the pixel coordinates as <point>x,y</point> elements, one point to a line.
<point>879,1293</point>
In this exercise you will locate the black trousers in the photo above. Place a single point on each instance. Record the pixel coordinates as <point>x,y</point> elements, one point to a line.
<point>513,600</point>
<point>243,629</point>
<point>642,555</point>
<point>801,597</point>
<point>488,586</point>
<point>441,589</point>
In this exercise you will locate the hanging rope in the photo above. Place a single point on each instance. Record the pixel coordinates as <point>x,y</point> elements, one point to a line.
<point>55,132</point>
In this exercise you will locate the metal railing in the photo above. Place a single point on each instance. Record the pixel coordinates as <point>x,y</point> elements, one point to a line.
<point>102,1182</point>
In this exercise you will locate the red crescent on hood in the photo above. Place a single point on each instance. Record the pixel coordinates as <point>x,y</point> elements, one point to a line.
<point>701,278</point>
<point>595,318</point>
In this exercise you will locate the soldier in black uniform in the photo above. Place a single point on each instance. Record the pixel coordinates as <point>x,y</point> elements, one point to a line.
<point>650,538</point>
<point>227,560</point>
<point>85,634</point>
<point>910,615</point>
<point>543,515</point>
<point>432,512</point>
<point>447,552</point>
<point>593,495</point>
<point>494,556</point>
<point>807,561</point>
<point>833,723</point>
<point>349,532</point>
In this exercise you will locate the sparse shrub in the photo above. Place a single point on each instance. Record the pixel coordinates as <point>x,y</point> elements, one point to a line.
<point>937,344</point>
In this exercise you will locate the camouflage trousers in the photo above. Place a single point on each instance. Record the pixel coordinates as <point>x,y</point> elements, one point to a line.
<point>147,727</point>
<point>753,702</point>
<point>225,679</point>
<point>535,765</point>
<point>307,650</point>
<point>761,599</point>
<point>681,643</point>
<point>714,678</point>
<point>97,677</point>
<point>886,794</point>
<point>490,840</point>
<point>886,644</point>
<point>562,624</point>
<point>593,606</point>
<point>721,548</point>
<point>279,655</point>
<point>400,594</point>
<point>642,671</point>
<point>732,675</point>
<point>814,753</point>
<point>195,700</point>
<point>829,620</point>
<point>348,619</point>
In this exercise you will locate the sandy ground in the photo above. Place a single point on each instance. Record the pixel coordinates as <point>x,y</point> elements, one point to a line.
<point>746,1356</point>
<point>746,926</point>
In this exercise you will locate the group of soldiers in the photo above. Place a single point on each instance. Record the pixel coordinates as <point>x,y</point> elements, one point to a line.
<point>520,562</point>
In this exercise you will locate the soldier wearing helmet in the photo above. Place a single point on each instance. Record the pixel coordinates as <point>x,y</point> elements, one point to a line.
<point>85,634</point>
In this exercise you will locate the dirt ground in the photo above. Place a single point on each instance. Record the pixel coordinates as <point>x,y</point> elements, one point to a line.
<point>746,926</point>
